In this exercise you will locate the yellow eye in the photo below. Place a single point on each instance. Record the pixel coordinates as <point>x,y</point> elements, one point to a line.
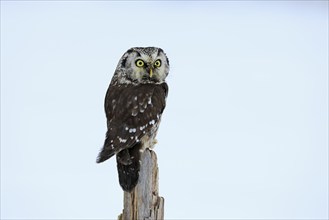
<point>157,63</point>
<point>139,63</point>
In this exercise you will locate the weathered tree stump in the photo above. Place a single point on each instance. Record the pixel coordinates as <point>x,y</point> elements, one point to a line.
<point>144,202</point>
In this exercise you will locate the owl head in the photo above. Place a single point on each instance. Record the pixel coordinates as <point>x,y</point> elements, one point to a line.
<point>142,65</point>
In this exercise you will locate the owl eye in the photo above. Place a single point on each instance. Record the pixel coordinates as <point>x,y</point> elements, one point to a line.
<point>157,63</point>
<point>139,63</point>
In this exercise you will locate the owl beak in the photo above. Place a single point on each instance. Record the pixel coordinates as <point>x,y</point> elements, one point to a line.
<point>151,72</point>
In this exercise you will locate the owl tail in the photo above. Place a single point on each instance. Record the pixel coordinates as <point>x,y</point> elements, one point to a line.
<point>128,163</point>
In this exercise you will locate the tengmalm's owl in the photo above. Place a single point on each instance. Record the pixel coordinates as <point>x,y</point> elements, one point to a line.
<point>134,104</point>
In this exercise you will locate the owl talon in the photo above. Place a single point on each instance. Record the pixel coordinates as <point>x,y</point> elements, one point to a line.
<point>153,143</point>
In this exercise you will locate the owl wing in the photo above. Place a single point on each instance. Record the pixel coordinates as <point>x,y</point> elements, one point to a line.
<point>131,111</point>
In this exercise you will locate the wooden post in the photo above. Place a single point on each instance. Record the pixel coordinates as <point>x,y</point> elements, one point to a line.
<point>144,202</point>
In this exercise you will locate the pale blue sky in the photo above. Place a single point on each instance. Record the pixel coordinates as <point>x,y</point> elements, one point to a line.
<point>245,131</point>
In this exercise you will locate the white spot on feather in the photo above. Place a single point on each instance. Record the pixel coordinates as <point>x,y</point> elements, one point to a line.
<point>152,122</point>
<point>122,140</point>
<point>132,130</point>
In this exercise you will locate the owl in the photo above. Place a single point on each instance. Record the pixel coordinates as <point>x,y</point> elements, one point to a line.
<point>134,103</point>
